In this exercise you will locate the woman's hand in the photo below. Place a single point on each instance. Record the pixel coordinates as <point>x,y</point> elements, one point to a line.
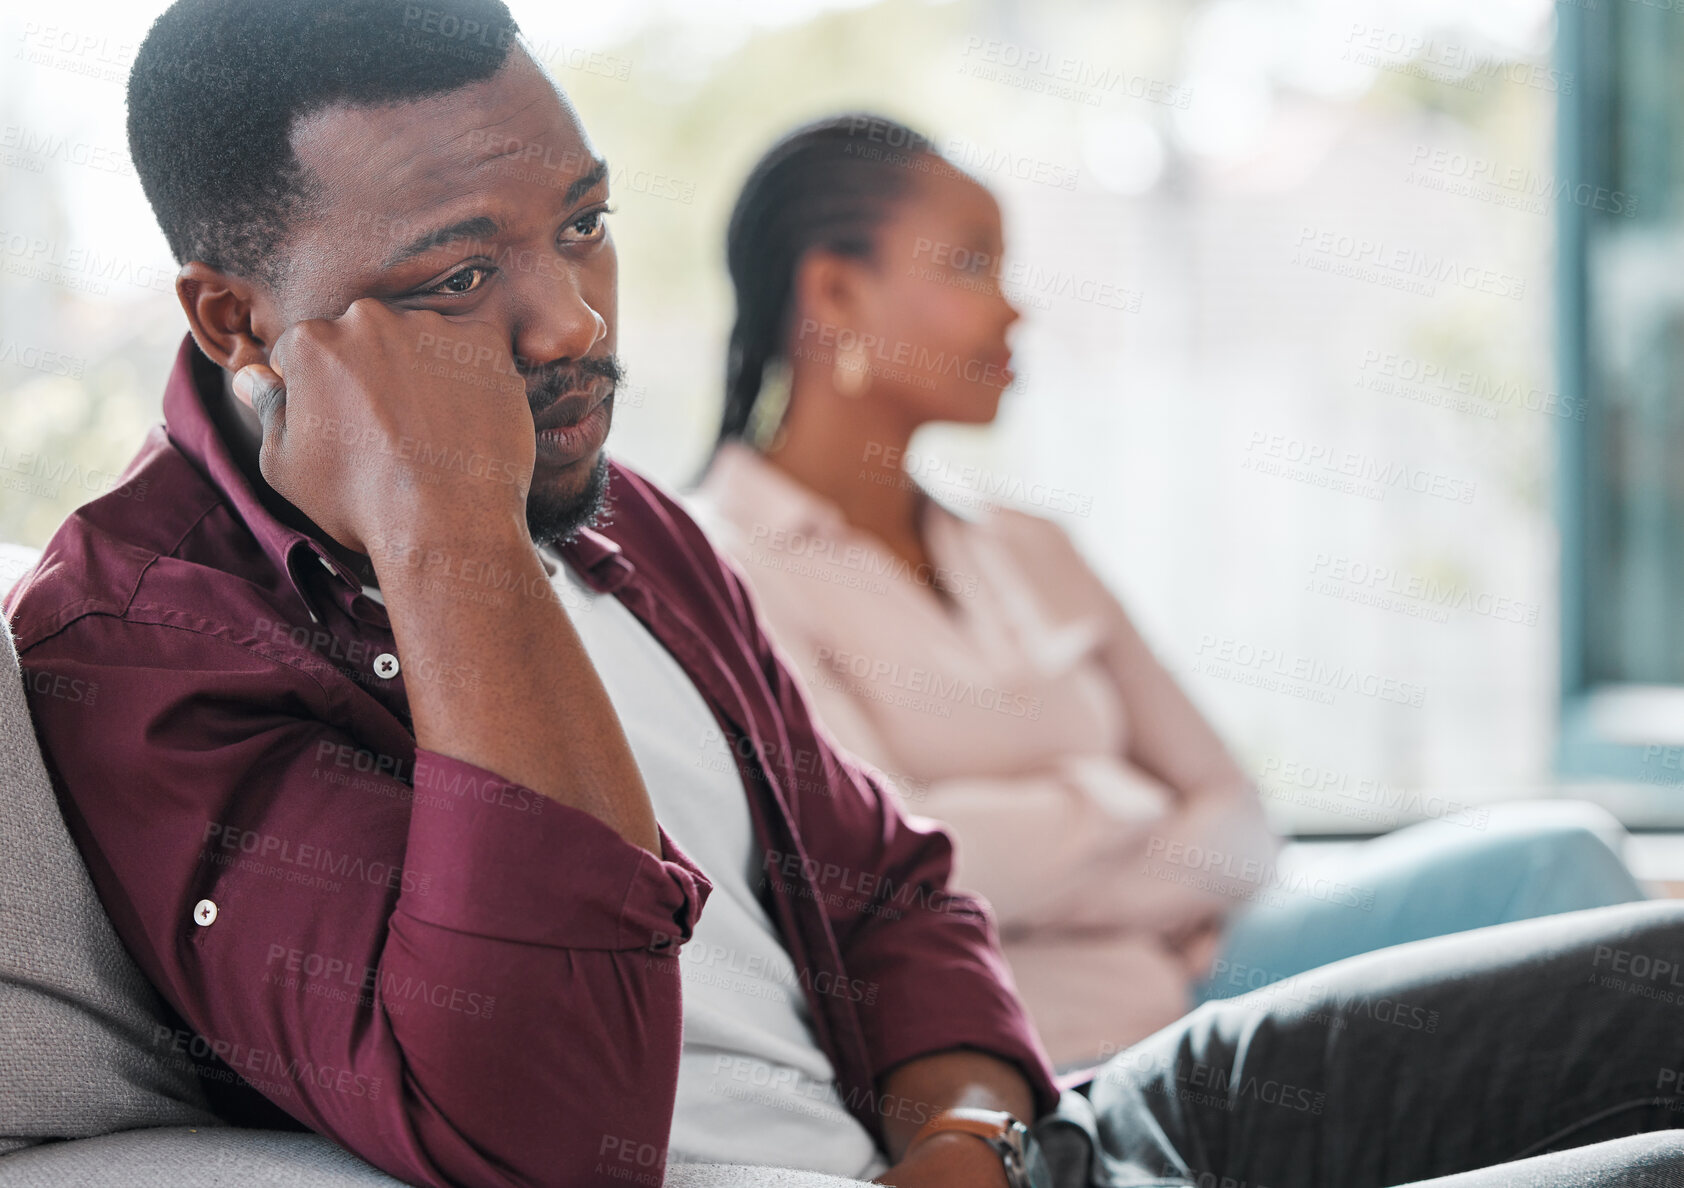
<point>1198,946</point>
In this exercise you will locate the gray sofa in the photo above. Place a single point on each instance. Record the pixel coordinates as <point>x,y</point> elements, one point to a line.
<point>87,1097</point>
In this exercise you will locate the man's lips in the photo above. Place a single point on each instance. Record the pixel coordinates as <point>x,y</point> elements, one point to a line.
<point>573,427</point>
<point>568,409</point>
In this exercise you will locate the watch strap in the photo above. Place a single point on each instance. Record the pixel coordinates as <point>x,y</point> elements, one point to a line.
<point>1005,1134</point>
<point>985,1124</point>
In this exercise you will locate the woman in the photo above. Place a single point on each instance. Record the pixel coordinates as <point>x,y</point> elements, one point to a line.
<point>978,662</point>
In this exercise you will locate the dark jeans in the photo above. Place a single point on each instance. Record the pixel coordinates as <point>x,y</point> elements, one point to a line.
<point>1557,1043</point>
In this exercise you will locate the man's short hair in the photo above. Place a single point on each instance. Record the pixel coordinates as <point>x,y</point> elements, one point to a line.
<point>218,86</point>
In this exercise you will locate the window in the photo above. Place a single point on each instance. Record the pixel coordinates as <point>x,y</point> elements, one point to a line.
<point>1620,188</point>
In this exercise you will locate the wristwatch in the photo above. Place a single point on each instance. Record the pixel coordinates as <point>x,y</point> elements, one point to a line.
<point>1008,1136</point>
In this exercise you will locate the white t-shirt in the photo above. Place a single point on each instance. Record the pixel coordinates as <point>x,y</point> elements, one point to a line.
<point>753,1085</point>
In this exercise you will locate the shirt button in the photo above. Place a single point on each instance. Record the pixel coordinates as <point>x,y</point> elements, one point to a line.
<point>385,666</point>
<point>204,913</point>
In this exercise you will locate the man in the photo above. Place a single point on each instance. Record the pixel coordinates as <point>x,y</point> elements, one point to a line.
<point>443,781</point>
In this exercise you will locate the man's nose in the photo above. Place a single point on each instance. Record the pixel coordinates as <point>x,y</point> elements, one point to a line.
<point>557,323</point>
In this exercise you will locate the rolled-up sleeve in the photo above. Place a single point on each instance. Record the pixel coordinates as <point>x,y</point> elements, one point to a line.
<point>461,981</point>
<point>619,896</point>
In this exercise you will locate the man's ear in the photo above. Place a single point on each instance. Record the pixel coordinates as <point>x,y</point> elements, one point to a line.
<point>223,311</point>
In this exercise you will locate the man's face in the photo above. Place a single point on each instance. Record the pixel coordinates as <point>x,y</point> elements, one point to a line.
<point>486,204</point>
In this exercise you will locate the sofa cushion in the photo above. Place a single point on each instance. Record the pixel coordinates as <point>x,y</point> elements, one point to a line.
<point>183,1158</point>
<point>77,1053</point>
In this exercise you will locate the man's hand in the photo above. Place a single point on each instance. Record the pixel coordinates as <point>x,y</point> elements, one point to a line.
<point>382,420</point>
<point>948,1160</point>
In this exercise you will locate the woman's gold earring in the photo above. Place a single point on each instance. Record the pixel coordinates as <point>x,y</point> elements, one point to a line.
<point>852,371</point>
<point>771,403</point>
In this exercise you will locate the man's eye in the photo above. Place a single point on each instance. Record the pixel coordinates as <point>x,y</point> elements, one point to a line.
<point>590,225</point>
<point>465,281</point>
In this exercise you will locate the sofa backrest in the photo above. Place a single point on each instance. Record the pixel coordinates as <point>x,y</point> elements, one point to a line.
<point>82,1048</point>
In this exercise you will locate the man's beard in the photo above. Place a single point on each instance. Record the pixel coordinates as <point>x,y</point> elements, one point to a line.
<point>556,519</point>
<point>553,519</point>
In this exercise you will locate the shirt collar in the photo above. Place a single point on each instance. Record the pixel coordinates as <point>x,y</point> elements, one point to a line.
<point>195,378</point>
<point>748,490</point>
<point>188,422</point>
<point>599,560</point>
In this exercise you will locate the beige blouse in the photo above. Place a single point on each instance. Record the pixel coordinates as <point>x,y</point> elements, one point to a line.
<point>1026,713</point>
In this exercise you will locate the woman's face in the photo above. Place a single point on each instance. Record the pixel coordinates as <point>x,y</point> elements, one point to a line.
<point>935,305</point>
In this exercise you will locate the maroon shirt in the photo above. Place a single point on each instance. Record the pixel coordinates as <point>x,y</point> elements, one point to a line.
<point>451,975</point>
